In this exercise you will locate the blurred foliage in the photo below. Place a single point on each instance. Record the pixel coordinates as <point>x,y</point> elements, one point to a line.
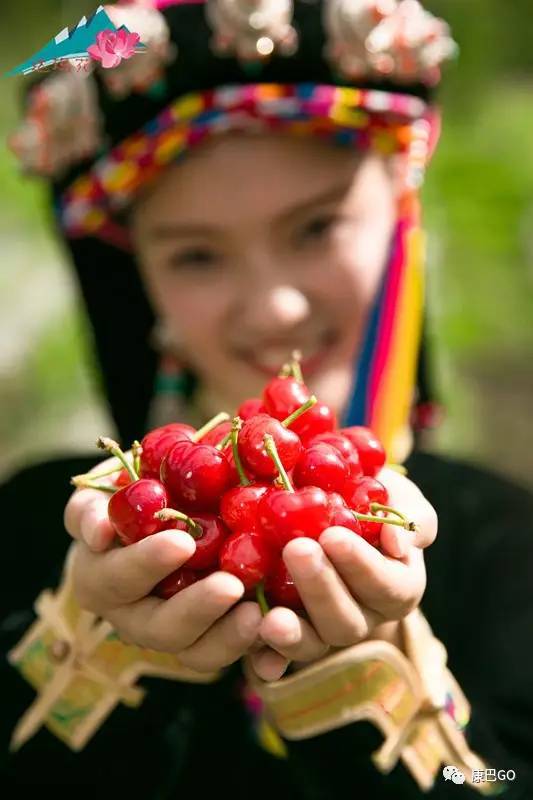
<point>479,213</point>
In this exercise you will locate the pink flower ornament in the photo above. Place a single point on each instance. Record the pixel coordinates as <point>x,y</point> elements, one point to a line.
<point>113,46</point>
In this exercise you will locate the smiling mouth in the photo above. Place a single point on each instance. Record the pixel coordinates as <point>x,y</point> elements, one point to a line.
<point>269,360</point>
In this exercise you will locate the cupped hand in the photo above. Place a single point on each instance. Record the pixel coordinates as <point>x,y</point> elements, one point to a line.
<point>205,624</point>
<point>351,591</point>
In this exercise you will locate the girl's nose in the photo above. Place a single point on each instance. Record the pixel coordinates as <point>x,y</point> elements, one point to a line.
<point>276,309</point>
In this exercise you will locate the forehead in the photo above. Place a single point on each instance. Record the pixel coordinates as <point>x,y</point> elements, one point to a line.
<point>252,174</point>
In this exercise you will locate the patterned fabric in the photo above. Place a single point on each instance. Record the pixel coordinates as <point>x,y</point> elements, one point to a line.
<point>364,119</point>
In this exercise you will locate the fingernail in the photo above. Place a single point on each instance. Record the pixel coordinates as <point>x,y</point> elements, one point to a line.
<point>308,559</point>
<point>398,545</point>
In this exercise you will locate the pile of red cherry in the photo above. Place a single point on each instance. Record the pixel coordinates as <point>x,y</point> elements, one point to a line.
<point>243,488</point>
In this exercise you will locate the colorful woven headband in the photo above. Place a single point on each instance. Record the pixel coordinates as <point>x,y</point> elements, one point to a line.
<point>381,121</point>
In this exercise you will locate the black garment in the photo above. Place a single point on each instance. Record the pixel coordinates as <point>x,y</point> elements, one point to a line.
<point>197,740</point>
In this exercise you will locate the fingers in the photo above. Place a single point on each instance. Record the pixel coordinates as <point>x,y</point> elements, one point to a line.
<point>226,641</point>
<point>336,616</point>
<point>86,519</point>
<point>291,636</point>
<point>126,574</point>
<point>174,625</point>
<point>406,497</point>
<point>389,587</point>
<point>269,665</point>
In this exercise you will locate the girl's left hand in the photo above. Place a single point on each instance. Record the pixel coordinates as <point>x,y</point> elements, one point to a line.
<point>351,590</point>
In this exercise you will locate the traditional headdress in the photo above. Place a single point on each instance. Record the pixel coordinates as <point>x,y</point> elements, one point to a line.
<point>357,72</point>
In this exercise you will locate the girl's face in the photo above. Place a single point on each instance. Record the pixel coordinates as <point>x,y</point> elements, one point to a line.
<point>255,246</point>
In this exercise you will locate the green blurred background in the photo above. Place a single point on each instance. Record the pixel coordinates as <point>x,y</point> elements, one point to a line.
<point>479,214</point>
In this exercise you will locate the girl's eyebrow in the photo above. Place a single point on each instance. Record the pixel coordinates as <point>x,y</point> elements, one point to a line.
<point>175,230</point>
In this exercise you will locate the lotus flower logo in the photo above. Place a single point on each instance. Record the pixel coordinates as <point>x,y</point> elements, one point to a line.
<point>113,46</point>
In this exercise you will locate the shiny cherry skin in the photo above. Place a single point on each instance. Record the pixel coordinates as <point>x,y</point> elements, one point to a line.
<point>283,396</point>
<point>248,556</point>
<point>359,497</point>
<point>131,509</point>
<point>252,451</point>
<point>345,448</point>
<point>176,582</point>
<point>251,408</point>
<point>280,588</point>
<point>284,516</point>
<point>320,418</point>
<point>323,466</point>
<point>335,501</point>
<point>238,507</point>
<point>214,534</point>
<point>157,444</point>
<point>371,452</point>
<point>196,476</point>
<point>344,517</point>
<point>219,433</point>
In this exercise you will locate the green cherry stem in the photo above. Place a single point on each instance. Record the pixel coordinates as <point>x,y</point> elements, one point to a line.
<point>382,520</point>
<point>272,450</point>
<point>261,599</point>
<point>92,476</point>
<point>168,514</point>
<point>211,425</point>
<point>299,411</point>
<point>136,450</point>
<point>104,443</point>
<point>81,482</point>
<point>295,366</point>
<point>236,426</point>
<point>408,524</point>
<point>224,443</point>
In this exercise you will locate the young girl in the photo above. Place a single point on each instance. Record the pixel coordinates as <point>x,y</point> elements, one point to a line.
<point>248,187</point>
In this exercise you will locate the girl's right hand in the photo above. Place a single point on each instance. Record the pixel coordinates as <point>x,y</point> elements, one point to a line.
<point>200,623</point>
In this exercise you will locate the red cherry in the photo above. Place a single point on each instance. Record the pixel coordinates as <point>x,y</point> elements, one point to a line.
<point>157,443</point>
<point>238,507</point>
<point>123,478</point>
<point>362,494</point>
<point>371,452</point>
<point>175,582</point>
<point>318,419</point>
<point>248,556</point>
<point>208,543</point>
<point>250,408</point>
<point>219,433</point>
<point>284,515</point>
<point>281,589</point>
<point>131,509</point>
<point>344,517</point>
<point>345,448</point>
<point>335,501</point>
<point>196,475</point>
<point>323,466</point>
<point>252,448</point>
<point>283,396</point>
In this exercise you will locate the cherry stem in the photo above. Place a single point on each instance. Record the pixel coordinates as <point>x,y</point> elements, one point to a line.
<point>295,366</point>
<point>236,426</point>
<point>224,442</point>
<point>210,426</point>
<point>261,599</point>
<point>136,450</point>
<point>81,482</point>
<point>409,525</point>
<point>272,450</point>
<point>104,443</point>
<point>90,476</point>
<point>299,411</point>
<point>168,514</point>
<point>382,520</point>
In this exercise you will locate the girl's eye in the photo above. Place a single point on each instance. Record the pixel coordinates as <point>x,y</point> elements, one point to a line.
<point>199,258</point>
<point>318,227</point>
